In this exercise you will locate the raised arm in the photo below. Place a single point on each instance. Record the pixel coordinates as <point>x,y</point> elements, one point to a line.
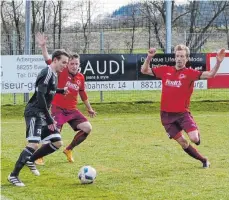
<point>42,40</point>
<point>145,69</point>
<point>219,58</point>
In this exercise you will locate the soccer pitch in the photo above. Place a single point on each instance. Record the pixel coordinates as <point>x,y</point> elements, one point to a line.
<point>133,157</point>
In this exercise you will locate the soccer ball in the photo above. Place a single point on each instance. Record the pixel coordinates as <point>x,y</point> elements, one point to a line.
<point>87,174</point>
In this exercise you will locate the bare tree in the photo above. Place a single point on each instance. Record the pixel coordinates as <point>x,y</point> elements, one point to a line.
<point>43,16</point>
<point>134,9</point>
<point>220,6</point>
<point>146,10</point>
<point>226,24</point>
<point>86,23</point>
<point>6,29</point>
<point>60,22</point>
<point>33,26</point>
<point>55,12</point>
<point>16,17</point>
<point>155,12</point>
<point>86,15</point>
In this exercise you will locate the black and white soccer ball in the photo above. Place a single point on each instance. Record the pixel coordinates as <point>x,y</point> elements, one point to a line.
<point>87,174</point>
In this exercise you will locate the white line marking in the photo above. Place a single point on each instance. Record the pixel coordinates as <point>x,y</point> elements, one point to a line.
<point>4,198</point>
<point>144,117</point>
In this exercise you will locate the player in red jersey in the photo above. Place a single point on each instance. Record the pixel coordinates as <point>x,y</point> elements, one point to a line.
<point>177,88</point>
<point>64,108</point>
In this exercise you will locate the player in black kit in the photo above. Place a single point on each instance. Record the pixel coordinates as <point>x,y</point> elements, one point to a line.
<point>40,126</point>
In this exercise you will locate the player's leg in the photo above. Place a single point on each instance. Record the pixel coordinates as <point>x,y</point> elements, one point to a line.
<point>187,123</point>
<point>48,148</point>
<point>82,128</point>
<point>33,134</point>
<point>60,118</point>
<point>40,161</point>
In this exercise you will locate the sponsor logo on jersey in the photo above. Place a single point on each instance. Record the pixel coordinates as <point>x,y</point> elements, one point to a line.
<point>72,85</point>
<point>173,83</point>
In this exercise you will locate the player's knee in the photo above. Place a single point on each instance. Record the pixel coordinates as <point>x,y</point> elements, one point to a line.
<point>194,136</point>
<point>87,128</point>
<point>194,139</point>
<point>58,144</point>
<point>33,145</point>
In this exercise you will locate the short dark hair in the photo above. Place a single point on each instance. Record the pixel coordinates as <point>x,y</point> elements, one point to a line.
<point>58,53</point>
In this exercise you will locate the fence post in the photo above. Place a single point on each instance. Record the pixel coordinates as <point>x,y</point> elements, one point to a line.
<point>101,52</point>
<point>27,36</point>
<point>168,4</point>
<point>14,41</point>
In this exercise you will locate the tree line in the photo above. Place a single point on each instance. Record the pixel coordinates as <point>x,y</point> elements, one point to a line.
<point>56,18</point>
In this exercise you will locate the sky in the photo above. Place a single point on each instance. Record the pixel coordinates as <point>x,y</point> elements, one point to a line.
<point>111,5</point>
<point>101,7</point>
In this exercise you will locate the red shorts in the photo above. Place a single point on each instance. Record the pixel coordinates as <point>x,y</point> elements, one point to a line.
<point>72,117</point>
<point>174,123</point>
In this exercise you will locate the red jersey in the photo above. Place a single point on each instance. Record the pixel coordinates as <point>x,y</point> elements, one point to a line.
<point>75,84</point>
<point>177,87</point>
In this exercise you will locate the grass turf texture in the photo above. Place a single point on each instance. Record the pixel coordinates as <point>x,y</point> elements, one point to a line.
<point>133,157</point>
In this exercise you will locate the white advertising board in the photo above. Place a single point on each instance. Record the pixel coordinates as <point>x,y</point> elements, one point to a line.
<point>19,72</point>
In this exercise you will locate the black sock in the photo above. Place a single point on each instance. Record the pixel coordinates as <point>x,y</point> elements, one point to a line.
<point>44,150</point>
<point>28,151</point>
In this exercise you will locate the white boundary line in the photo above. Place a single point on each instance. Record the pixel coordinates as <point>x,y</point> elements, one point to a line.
<point>145,117</point>
<point>4,198</point>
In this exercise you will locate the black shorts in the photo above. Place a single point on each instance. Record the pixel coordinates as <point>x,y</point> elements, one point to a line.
<point>37,130</point>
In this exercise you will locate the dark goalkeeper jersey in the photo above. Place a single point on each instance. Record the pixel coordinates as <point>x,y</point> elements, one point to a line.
<point>45,89</point>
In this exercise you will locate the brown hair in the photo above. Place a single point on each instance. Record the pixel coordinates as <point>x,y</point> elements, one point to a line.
<point>74,55</point>
<point>181,47</point>
<point>58,53</point>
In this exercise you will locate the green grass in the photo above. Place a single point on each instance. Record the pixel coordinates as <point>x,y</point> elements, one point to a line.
<point>131,153</point>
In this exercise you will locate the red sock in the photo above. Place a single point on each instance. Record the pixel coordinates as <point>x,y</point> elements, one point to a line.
<point>78,138</point>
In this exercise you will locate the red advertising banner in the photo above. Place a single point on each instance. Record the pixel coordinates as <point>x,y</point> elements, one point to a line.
<point>221,80</point>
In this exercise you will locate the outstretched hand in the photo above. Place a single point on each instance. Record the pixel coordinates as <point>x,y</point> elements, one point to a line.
<point>41,39</point>
<point>91,113</point>
<point>220,55</point>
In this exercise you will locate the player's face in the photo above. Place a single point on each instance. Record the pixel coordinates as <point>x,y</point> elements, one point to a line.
<point>61,63</point>
<point>181,59</point>
<point>73,66</point>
